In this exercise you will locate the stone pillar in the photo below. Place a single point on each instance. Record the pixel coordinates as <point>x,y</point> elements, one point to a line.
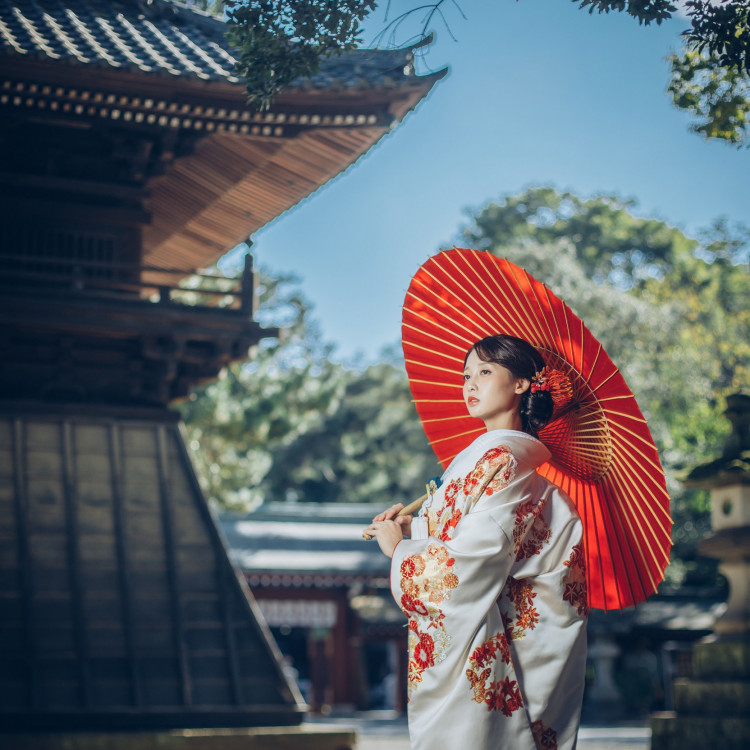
<point>712,709</point>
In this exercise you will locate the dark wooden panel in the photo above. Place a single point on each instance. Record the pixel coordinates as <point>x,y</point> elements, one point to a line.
<point>48,578</point>
<point>143,527</point>
<point>149,582</point>
<point>138,442</point>
<point>153,639</point>
<point>14,669</point>
<point>101,608</point>
<point>54,640</point>
<point>214,693</point>
<point>209,668</point>
<point>12,610</point>
<point>162,693</point>
<point>13,696</point>
<point>10,579</point>
<point>205,638</point>
<point>48,547</point>
<point>44,464</point>
<point>198,579</point>
<point>248,649</point>
<point>110,669</point>
<point>156,609</point>
<point>100,578</point>
<point>112,695</point>
<point>160,669</point>
<point>205,609</point>
<point>95,504</point>
<point>195,556</point>
<point>8,550</point>
<point>96,548</point>
<point>41,436</point>
<point>45,503</point>
<point>52,611</point>
<point>59,696</point>
<point>259,691</point>
<point>91,440</point>
<point>106,640</point>
<point>58,670</point>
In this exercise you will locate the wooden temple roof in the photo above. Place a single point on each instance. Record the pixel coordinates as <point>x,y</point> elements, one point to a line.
<point>155,83</point>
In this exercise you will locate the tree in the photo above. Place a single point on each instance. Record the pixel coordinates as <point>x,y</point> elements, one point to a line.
<point>718,96</point>
<point>290,424</point>
<point>280,40</point>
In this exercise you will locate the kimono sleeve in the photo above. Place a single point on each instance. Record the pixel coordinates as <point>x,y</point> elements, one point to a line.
<point>470,555</point>
<point>437,582</point>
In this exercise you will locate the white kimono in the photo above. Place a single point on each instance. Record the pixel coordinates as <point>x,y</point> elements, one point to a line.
<point>493,583</point>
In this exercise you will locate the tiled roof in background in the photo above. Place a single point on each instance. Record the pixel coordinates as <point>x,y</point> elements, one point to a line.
<point>167,38</point>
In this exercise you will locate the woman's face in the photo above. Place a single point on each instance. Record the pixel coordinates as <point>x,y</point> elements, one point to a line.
<point>492,394</point>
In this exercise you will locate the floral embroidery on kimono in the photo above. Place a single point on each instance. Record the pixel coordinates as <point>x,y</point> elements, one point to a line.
<point>518,601</point>
<point>528,541</point>
<point>545,737</point>
<point>426,581</point>
<point>498,695</point>
<point>575,581</point>
<point>493,585</point>
<point>494,471</point>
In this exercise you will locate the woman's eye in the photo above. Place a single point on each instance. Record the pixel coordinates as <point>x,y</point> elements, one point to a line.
<point>485,372</point>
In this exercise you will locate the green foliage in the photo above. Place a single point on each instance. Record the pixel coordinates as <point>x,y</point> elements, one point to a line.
<point>290,424</point>
<point>718,96</point>
<point>280,40</point>
<point>610,242</point>
<point>645,11</point>
<point>722,29</point>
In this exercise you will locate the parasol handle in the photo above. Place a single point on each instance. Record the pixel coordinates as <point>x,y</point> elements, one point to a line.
<point>410,508</point>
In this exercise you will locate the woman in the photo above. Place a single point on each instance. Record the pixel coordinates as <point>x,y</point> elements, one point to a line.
<point>492,577</point>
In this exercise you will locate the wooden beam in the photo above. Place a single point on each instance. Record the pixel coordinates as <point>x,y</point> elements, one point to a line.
<point>24,560</point>
<point>123,570</point>
<point>172,572</point>
<point>73,540</point>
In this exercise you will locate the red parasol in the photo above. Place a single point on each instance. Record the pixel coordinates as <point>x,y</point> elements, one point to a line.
<point>603,455</point>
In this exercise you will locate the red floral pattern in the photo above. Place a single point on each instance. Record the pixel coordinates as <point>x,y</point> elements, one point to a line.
<point>498,465</point>
<point>518,601</point>
<point>493,472</point>
<point>502,695</point>
<point>575,580</point>
<point>545,737</point>
<point>527,544</point>
<point>538,535</point>
<point>427,579</point>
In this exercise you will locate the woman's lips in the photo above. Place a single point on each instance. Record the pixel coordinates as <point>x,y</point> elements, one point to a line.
<point>472,400</point>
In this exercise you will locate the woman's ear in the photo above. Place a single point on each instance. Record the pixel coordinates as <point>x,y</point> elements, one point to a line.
<point>522,385</point>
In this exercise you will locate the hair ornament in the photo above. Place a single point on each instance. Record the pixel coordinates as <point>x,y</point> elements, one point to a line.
<point>556,383</point>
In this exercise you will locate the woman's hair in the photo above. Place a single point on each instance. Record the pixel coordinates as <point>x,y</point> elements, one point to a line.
<point>523,361</point>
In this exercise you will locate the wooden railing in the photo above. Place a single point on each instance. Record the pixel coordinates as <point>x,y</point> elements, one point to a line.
<point>27,274</point>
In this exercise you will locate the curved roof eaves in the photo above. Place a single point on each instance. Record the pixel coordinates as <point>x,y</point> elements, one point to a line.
<point>168,37</point>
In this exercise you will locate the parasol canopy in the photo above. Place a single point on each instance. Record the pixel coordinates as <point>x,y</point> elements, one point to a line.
<point>603,455</point>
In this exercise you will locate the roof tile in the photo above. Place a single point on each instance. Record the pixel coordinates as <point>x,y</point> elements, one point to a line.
<point>166,36</point>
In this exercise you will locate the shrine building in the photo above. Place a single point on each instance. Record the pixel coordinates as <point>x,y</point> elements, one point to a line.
<point>130,160</point>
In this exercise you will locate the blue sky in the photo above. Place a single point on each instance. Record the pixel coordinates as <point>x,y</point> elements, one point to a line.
<point>539,92</point>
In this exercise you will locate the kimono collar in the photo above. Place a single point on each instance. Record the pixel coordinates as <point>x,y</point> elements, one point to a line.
<point>525,448</point>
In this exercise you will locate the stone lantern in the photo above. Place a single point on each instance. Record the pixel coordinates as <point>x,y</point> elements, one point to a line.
<point>713,707</point>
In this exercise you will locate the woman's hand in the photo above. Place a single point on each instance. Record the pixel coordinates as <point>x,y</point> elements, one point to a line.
<point>391,514</point>
<point>388,533</point>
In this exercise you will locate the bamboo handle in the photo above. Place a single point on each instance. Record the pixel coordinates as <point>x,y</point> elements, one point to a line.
<point>410,508</point>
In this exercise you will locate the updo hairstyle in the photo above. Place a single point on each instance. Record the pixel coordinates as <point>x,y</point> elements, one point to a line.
<point>523,361</point>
